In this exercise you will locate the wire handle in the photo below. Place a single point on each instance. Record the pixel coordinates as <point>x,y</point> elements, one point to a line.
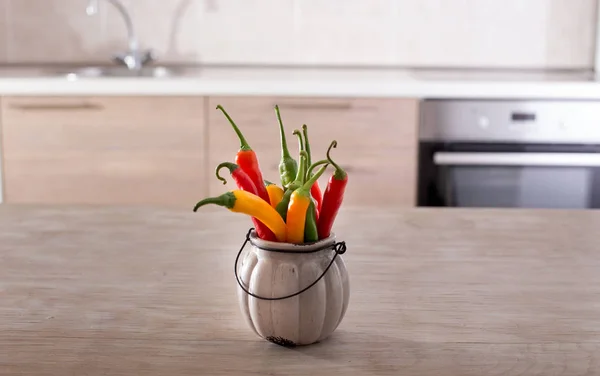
<point>339,248</point>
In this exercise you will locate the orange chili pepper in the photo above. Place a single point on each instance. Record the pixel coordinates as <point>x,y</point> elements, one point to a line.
<point>275,193</point>
<point>296,218</point>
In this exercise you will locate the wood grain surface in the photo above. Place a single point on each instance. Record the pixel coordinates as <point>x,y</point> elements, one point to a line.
<point>129,291</point>
<point>104,150</point>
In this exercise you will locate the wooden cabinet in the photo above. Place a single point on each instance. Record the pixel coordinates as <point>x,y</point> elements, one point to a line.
<point>377,141</point>
<point>104,150</point>
<point>163,150</point>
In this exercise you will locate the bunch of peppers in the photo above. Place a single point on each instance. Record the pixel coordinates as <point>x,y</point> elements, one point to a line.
<point>297,211</point>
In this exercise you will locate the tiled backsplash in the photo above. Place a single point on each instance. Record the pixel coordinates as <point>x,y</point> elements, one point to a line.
<point>484,33</point>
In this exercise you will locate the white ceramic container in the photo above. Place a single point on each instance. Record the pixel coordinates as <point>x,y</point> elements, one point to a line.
<point>269,272</point>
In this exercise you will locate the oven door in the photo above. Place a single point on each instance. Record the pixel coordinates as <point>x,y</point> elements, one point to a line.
<point>514,179</point>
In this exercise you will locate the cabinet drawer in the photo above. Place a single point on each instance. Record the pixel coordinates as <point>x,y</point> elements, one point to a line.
<point>99,111</point>
<point>104,150</point>
<point>377,141</point>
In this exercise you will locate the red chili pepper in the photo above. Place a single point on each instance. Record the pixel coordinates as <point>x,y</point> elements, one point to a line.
<point>315,192</point>
<point>243,182</point>
<point>247,160</point>
<point>333,197</point>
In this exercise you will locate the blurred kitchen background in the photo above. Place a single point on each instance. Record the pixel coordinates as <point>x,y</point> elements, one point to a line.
<point>533,34</point>
<point>481,103</point>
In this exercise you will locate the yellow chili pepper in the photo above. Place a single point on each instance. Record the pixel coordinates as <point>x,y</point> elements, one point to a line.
<point>239,201</point>
<point>275,193</point>
<point>299,203</point>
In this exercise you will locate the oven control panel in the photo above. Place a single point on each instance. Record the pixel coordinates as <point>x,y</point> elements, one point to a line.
<point>510,121</point>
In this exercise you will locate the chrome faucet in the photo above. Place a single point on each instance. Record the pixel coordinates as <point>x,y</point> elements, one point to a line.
<point>134,58</point>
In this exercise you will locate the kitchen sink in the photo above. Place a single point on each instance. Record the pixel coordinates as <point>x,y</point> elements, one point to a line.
<point>91,72</point>
<point>83,72</point>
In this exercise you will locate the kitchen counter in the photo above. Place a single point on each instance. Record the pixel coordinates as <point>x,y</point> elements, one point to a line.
<point>312,82</point>
<point>123,291</point>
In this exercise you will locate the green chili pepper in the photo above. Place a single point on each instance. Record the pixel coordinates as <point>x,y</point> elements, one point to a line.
<point>288,166</point>
<point>310,226</point>
<point>282,207</point>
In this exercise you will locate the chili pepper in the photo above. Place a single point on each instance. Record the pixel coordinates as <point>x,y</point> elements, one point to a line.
<point>309,173</point>
<point>332,198</point>
<point>275,193</point>
<point>240,201</point>
<point>242,180</point>
<point>315,190</point>
<point>288,166</point>
<point>282,207</point>
<point>317,211</point>
<point>247,160</point>
<point>312,213</point>
<point>297,210</point>
<point>311,232</point>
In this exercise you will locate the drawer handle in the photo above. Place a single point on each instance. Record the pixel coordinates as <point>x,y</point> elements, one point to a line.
<point>317,106</point>
<point>58,107</point>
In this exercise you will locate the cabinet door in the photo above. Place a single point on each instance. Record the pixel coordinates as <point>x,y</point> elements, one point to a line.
<point>104,150</point>
<point>377,141</point>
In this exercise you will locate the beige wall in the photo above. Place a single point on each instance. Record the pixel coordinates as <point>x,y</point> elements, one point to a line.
<point>511,33</point>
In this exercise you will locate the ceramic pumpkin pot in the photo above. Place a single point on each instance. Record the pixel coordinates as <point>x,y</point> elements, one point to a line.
<point>292,294</point>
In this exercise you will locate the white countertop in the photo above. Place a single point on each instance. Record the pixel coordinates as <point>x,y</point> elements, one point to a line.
<point>314,82</point>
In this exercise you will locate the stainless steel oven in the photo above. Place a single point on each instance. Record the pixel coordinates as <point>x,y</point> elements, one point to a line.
<point>504,153</point>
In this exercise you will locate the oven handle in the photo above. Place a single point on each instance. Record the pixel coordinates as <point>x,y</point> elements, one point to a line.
<point>517,159</point>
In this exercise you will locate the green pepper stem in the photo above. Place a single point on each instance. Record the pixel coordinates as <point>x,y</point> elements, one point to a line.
<point>227,200</point>
<point>230,166</point>
<point>298,134</point>
<point>310,182</point>
<point>285,153</point>
<point>314,165</point>
<point>306,144</point>
<point>302,169</point>
<point>339,173</point>
<point>243,143</point>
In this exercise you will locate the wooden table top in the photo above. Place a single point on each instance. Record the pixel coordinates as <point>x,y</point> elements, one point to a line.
<point>128,291</point>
